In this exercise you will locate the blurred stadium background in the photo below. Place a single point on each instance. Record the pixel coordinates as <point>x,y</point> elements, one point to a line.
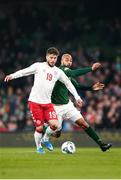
<point>90,31</point>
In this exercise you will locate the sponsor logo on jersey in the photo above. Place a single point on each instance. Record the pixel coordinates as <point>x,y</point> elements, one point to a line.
<point>44,70</point>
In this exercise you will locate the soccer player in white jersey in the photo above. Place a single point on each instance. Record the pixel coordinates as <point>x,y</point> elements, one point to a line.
<point>45,76</point>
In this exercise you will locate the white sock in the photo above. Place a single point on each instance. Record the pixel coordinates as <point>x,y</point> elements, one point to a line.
<point>47,134</point>
<point>37,138</point>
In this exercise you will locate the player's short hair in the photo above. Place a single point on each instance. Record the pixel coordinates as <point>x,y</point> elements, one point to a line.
<point>53,50</point>
<point>66,54</point>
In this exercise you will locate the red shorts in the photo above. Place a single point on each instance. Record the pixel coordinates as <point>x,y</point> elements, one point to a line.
<point>42,113</point>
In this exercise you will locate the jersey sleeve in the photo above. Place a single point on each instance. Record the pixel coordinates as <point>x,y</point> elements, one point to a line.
<point>77,72</point>
<point>81,87</point>
<point>65,80</point>
<point>25,72</point>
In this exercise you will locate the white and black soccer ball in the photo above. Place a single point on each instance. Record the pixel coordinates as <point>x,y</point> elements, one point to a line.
<point>68,147</point>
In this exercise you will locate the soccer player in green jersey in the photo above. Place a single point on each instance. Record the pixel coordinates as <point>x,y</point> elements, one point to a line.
<point>65,109</point>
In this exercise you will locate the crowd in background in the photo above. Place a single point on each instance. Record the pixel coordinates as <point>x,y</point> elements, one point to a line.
<point>28,29</point>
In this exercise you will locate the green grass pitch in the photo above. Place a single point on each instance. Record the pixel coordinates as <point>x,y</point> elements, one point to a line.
<point>86,163</point>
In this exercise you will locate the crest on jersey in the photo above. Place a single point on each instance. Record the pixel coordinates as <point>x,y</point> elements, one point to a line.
<point>55,73</point>
<point>38,122</point>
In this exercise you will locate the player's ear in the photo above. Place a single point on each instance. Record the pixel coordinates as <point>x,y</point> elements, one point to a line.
<point>61,61</point>
<point>47,56</point>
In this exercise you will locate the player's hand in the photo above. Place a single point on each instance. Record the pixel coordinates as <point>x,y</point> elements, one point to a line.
<point>96,66</point>
<point>79,103</point>
<point>98,86</point>
<point>8,78</point>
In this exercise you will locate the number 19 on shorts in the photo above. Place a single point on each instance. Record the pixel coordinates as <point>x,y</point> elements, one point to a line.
<point>52,115</point>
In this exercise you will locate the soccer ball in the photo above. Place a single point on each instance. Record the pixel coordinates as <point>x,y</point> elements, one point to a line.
<point>68,147</point>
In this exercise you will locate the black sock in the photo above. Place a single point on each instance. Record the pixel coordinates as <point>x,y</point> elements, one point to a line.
<point>91,132</point>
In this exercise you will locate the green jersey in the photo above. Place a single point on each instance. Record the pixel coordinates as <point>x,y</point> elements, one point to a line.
<point>60,93</point>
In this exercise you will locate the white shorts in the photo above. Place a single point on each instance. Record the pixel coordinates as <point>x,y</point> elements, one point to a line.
<point>67,112</point>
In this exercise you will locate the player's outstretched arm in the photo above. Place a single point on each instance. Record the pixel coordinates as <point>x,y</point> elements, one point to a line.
<point>81,71</point>
<point>77,72</point>
<point>24,72</point>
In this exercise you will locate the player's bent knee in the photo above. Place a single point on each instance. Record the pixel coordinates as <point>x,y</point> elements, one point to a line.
<point>54,125</point>
<point>82,123</point>
<point>39,129</point>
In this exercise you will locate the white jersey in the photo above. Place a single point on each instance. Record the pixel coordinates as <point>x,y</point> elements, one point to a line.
<point>45,78</point>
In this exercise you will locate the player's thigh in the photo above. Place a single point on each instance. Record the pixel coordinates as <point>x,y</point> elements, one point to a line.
<point>76,116</point>
<point>73,113</point>
<point>61,111</point>
<point>50,115</point>
<point>37,114</point>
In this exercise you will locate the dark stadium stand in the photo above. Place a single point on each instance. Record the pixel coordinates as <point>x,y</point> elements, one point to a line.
<point>27,29</point>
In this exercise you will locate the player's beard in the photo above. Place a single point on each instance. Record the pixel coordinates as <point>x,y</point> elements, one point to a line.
<point>68,65</point>
<point>51,65</point>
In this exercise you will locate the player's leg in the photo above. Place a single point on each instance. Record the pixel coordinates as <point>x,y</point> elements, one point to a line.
<point>92,133</point>
<point>50,130</point>
<point>47,131</point>
<point>76,117</point>
<point>57,132</point>
<point>51,117</point>
<point>37,138</point>
<point>63,113</point>
<point>60,111</point>
<point>37,116</point>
